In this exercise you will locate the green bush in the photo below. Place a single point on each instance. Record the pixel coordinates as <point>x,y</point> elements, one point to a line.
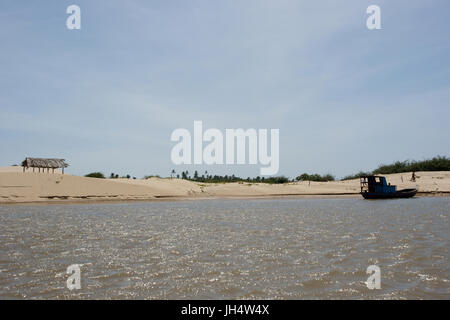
<point>152,176</point>
<point>95,175</point>
<point>315,177</point>
<point>276,180</point>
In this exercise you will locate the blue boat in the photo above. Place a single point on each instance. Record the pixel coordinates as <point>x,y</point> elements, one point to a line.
<point>376,187</point>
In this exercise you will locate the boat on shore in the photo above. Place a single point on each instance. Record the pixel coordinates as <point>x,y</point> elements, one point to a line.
<point>376,187</point>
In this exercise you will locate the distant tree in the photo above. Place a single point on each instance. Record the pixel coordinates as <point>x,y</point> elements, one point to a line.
<point>172,173</point>
<point>195,175</point>
<point>112,176</point>
<point>128,176</point>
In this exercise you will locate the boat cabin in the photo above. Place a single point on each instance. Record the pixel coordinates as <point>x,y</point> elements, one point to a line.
<point>376,184</point>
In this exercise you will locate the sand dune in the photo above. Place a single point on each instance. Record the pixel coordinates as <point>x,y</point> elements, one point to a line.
<point>18,187</point>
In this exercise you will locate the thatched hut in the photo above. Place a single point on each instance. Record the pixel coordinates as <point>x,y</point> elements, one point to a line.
<point>44,164</point>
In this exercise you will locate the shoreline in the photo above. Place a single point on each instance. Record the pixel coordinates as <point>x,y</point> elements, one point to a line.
<point>208,198</point>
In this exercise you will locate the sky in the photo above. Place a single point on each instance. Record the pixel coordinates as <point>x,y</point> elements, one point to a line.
<point>108,96</point>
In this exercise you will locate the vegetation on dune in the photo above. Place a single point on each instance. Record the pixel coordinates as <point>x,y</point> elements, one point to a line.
<point>95,175</point>
<point>232,178</point>
<point>435,164</point>
<point>356,176</point>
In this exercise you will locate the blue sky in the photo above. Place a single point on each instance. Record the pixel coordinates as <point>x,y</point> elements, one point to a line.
<point>108,96</point>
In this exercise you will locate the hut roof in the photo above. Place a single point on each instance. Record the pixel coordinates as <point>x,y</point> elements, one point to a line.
<point>44,163</point>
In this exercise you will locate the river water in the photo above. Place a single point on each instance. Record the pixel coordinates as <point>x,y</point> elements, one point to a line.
<point>227,249</point>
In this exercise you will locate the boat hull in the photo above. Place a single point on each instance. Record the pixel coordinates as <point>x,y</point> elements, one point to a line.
<point>401,194</point>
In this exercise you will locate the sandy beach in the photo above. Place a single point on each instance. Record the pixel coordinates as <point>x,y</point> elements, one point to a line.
<point>19,187</point>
